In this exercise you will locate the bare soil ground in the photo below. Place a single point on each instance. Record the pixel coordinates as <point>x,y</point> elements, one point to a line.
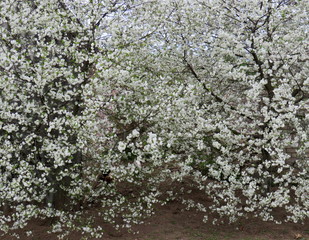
<point>172,223</point>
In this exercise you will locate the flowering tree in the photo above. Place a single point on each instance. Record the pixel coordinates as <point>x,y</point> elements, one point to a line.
<point>55,59</point>
<point>102,101</point>
<point>245,68</point>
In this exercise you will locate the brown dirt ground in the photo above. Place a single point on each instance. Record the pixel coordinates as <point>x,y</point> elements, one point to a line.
<point>171,223</point>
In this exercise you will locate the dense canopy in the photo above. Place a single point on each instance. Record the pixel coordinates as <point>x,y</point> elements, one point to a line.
<point>103,101</point>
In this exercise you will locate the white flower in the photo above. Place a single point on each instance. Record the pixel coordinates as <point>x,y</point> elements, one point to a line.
<point>138,164</point>
<point>200,145</point>
<point>122,146</point>
<point>135,133</point>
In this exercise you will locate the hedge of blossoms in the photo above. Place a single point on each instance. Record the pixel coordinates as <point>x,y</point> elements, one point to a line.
<point>149,93</point>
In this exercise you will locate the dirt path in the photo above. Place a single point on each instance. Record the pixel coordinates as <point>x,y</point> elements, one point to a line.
<point>170,223</point>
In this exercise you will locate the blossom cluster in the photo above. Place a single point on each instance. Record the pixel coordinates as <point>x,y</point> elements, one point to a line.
<point>104,101</point>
